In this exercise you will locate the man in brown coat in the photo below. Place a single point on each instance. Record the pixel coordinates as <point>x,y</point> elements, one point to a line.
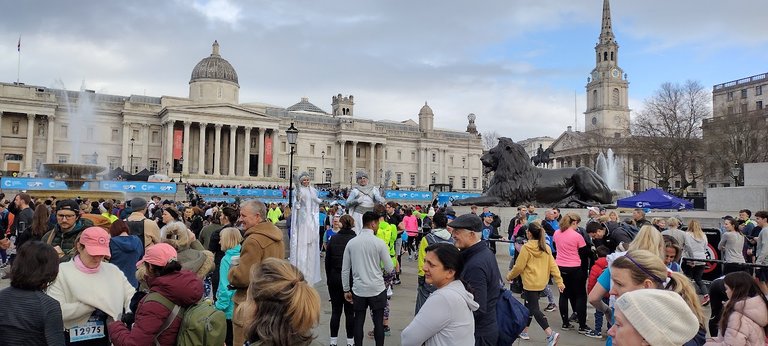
<point>262,240</point>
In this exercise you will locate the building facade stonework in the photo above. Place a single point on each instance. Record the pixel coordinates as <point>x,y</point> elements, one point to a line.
<point>223,141</point>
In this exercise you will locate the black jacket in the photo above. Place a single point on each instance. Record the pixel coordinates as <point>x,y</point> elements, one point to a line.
<point>334,257</point>
<point>481,273</point>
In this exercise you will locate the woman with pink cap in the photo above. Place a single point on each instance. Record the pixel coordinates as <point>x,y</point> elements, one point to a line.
<point>90,290</point>
<point>169,286</point>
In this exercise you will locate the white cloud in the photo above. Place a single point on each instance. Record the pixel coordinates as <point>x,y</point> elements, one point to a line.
<point>218,10</point>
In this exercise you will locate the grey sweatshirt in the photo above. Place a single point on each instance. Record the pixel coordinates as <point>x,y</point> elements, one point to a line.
<point>695,248</point>
<point>762,247</point>
<point>731,244</point>
<point>445,319</point>
<point>363,257</point>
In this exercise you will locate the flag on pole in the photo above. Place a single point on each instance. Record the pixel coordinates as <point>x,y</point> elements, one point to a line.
<point>18,46</point>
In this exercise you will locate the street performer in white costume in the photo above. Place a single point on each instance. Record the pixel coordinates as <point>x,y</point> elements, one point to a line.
<point>305,220</point>
<point>362,198</point>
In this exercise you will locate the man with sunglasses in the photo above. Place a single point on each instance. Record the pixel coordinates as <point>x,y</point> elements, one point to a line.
<point>69,225</point>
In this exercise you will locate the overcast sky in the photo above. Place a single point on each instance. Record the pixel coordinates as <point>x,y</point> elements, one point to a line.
<point>519,65</point>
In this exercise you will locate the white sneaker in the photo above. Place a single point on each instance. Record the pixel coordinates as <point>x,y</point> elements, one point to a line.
<point>524,336</point>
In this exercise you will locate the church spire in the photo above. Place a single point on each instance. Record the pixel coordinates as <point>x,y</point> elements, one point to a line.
<point>606,33</point>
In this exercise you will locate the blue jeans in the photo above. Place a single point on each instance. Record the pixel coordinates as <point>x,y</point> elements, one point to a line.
<point>599,319</point>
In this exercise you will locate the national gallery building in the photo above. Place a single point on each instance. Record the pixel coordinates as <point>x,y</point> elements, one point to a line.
<point>210,137</point>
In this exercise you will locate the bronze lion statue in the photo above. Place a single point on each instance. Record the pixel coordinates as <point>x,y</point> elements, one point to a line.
<point>516,182</point>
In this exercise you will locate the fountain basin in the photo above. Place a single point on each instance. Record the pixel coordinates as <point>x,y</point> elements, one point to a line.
<point>73,174</point>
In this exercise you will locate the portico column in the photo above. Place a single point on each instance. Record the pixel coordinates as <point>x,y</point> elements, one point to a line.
<point>168,145</point>
<point>444,165</point>
<point>371,167</point>
<point>354,159</point>
<point>49,139</point>
<point>202,153</point>
<point>340,158</point>
<point>262,160</point>
<point>1,141</point>
<point>124,154</point>
<point>274,151</point>
<point>185,155</point>
<point>247,153</point>
<point>232,138</point>
<point>145,127</point>
<point>217,151</point>
<point>30,142</point>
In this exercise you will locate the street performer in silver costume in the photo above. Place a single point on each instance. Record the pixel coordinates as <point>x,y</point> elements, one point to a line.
<point>362,198</point>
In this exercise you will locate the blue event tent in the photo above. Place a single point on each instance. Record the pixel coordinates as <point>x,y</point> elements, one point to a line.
<point>654,199</point>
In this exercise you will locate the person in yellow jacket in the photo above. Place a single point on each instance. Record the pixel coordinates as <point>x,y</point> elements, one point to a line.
<point>439,234</point>
<point>274,213</point>
<point>385,232</point>
<point>535,264</point>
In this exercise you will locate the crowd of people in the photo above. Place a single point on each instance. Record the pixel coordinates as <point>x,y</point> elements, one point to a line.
<point>101,272</point>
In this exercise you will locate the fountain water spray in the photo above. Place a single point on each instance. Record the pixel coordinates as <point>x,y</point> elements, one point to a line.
<point>611,170</point>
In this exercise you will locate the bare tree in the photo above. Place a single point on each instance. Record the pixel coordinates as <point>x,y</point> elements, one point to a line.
<point>734,139</point>
<point>490,139</point>
<point>667,133</point>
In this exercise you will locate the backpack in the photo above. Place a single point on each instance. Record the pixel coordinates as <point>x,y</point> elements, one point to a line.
<point>433,239</point>
<point>511,317</point>
<point>201,325</point>
<point>137,229</point>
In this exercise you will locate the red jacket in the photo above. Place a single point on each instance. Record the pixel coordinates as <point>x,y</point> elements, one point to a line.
<point>595,272</point>
<point>182,288</point>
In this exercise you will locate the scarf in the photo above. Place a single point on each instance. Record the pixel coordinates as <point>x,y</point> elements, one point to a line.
<point>367,189</point>
<point>81,266</point>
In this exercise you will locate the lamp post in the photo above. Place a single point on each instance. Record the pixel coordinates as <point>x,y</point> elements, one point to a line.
<point>322,164</point>
<point>131,167</point>
<point>167,168</point>
<point>181,169</point>
<point>292,133</point>
<point>736,172</point>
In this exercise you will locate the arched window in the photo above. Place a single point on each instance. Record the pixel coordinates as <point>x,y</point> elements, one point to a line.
<point>615,97</point>
<point>434,158</point>
<point>594,98</point>
<point>611,56</point>
<point>605,56</point>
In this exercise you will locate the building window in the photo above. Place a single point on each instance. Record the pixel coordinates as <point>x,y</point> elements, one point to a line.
<point>89,133</point>
<point>357,152</point>
<point>15,128</point>
<point>726,184</point>
<point>474,180</point>
<point>328,150</point>
<point>434,179</point>
<point>693,184</point>
<point>463,182</point>
<point>399,178</point>
<point>743,108</point>
<point>114,162</point>
<point>743,93</point>
<point>759,105</point>
<point>450,181</point>
<point>64,131</point>
<point>254,141</point>
<point>135,168</point>
<point>63,158</point>
<point>311,172</point>
<point>463,161</point>
<point>677,184</point>
<point>730,96</point>
<point>153,165</point>
<point>136,135</point>
<point>413,179</point>
<point>399,155</point>
<point>615,97</point>
<point>712,185</point>
<point>311,149</point>
<point>730,110</point>
<point>758,90</point>
<point>617,135</point>
<point>328,175</point>
<point>281,172</point>
<point>41,129</point>
<point>413,156</point>
<point>451,158</point>
<point>155,137</point>
<point>434,159</point>
<point>115,135</point>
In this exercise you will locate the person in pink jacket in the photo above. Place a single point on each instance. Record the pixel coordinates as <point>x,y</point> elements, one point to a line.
<point>745,316</point>
<point>411,225</point>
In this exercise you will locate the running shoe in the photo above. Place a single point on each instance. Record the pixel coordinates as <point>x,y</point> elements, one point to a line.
<point>524,336</point>
<point>594,334</point>
<point>573,318</point>
<point>567,326</point>
<point>552,339</point>
<point>550,307</point>
<point>584,330</point>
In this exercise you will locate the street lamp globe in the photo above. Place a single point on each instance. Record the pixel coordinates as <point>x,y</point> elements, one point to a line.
<point>735,173</point>
<point>293,134</point>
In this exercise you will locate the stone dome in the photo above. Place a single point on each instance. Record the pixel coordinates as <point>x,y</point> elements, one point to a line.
<point>426,110</point>
<point>214,67</point>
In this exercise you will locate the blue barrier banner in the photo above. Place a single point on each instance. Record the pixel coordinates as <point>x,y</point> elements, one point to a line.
<point>32,184</point>
<point>408,195</point>
<point>449,197</point>
<point>258,193</point>
<point>138,186</point>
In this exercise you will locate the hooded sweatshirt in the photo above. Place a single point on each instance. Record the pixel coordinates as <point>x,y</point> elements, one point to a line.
<point>224,294</point>
<point>535,266</point>
<point>745,324</point>
<point>126,251</point>
<point>183,288</point>
<point>445,319</point>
